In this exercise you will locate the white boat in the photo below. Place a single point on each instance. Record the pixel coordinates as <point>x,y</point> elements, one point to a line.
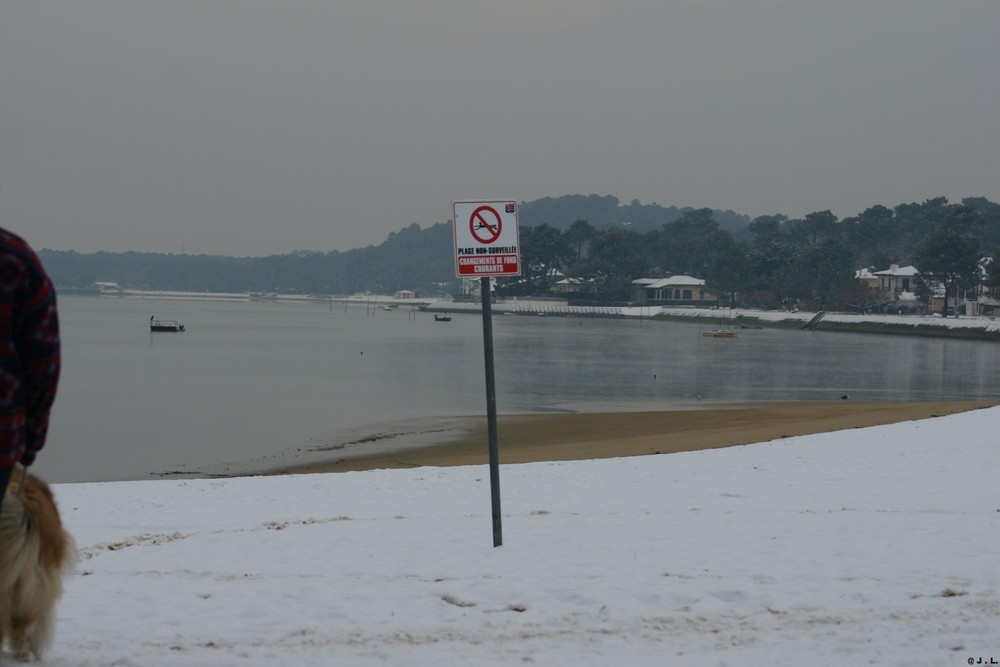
<point>165,325</point>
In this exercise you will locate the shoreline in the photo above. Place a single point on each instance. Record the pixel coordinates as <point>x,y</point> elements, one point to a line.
<point>973,327</point>
<point>529,438</point>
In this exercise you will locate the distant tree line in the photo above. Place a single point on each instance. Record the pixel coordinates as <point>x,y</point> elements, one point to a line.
<point>412,258</point>
<point>769,261</point>
<point>773,261</point>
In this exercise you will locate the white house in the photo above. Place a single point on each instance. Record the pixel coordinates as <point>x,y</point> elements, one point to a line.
<point>573,286</point>
<point>678,290</point>
<point>896,279</point>
<point>870,280</point>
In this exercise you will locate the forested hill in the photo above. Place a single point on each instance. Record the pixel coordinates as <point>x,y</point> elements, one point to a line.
<point>605,212</point>
<point>771,259</point>
<point>412,258</point>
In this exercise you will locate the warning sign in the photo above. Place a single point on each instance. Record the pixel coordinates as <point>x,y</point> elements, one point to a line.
<point>486,238</point>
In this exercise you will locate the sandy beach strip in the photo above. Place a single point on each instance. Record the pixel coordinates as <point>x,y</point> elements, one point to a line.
<point>593,435</point>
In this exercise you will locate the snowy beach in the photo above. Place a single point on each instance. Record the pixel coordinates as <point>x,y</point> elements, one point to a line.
<point>603,432</point>
<point>867,546</point>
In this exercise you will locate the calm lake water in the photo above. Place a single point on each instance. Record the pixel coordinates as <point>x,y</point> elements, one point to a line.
<point>249,382</point>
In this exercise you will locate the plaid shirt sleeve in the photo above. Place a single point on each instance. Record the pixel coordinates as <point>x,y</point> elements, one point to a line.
<point>31,351</point>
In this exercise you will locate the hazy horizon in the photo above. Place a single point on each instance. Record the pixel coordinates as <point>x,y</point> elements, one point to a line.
<point>247,128</point>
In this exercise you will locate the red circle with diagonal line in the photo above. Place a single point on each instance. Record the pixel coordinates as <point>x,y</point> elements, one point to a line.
<point>485,225</point>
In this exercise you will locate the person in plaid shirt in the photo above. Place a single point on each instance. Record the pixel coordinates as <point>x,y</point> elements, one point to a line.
<point>29,354</point>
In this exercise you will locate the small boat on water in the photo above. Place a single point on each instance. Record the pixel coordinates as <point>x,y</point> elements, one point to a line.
<point>442,318</point>
<point>719,333</point>
<point>165,325</point>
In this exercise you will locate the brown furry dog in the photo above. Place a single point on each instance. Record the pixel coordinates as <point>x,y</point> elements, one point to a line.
<point>35,553</point>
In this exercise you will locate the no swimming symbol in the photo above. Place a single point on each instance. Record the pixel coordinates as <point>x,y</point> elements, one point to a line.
<point>485,224</point>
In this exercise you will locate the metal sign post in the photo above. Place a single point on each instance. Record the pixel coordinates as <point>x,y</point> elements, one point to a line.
<point>486,245</point>
<point>491,411</point>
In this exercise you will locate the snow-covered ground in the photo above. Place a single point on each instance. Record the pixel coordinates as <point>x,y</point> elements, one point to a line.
<point>720,315</point>
<point>875,546</point>
<point>931,320</point>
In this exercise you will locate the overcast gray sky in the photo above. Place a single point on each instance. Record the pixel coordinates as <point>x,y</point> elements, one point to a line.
<point>241,127</point>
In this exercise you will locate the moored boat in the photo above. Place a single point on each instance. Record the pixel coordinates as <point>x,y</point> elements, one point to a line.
<point>719,333</point>
<point>165,325</point>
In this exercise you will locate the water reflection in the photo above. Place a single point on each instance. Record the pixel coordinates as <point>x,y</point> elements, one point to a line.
<point>249,380</point>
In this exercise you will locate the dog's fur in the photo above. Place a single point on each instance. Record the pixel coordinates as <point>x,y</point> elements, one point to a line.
<point>35,554</point>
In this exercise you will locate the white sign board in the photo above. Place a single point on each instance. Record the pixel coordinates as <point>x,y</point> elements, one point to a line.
<point>486,239</point>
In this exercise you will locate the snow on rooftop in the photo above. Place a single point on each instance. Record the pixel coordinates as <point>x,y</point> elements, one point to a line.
<point>676,280</point>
